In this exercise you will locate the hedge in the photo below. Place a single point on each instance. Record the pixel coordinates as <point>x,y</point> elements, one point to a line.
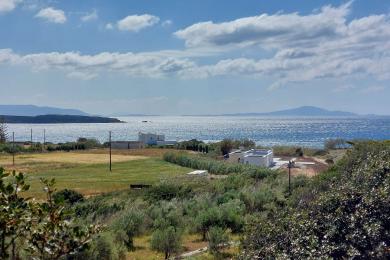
<point>214,166</point>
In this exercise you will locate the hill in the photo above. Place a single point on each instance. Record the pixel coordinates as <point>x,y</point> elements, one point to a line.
<point>300,111</point>
<point>57,119</point>
<point>31,110</point>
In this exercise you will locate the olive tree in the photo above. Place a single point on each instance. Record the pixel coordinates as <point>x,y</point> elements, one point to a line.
<point>166,240</point>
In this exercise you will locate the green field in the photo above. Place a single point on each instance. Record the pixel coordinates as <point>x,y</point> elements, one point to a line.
<point>95,178</point>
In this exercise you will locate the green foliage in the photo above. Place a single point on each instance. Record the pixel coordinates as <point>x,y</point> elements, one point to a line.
<point>347,216</point>
<point>192,145</point>
<point>128,226</point>
<point>68,196</point>
<point>80,144</point>
<point>226,146</point>
<point>281,150</point>
<point>227,215</point>
<point>167,191</point>
<point>218,239</point>
<point>38,230</point>
<point>166,240</point>
<point>214,166</point>
<point>15,214</point>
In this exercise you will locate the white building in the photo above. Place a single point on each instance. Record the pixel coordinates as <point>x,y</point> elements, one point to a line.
<point>149,138</point>
<point>127,145</point>
<point>154,139</point>
<point>262,158</point>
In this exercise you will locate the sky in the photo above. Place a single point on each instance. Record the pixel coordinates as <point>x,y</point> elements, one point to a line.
<point>176,57</point>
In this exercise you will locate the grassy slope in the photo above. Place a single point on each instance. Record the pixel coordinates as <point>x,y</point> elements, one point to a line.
<point>86,172</point>
<point>95,178</point>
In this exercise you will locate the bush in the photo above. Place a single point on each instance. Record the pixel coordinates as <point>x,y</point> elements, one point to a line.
<point>68,196</point>
<point>218,239</point>
<point>168,191</point>
<point>166,240</point>
<point>214,166</point>
<point>348,217</point>
<point>103,247</point>
<point>128,226</point>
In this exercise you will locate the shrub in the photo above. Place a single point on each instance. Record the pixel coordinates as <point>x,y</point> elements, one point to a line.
<point>214,166</point>
<point>348,217</point>
<point>168,191</point>
<point>166,240</point>
<point>128,226</point>
<point>68,196</point>
<point>218,239</point>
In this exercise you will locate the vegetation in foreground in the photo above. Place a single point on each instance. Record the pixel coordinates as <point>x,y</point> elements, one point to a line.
<point>344,213</point>
<point>340,213</point>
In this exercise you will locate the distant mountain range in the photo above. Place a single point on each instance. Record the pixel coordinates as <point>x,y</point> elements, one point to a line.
<point>57,119</point>
<point>299,111</point>
<point>31,110</point>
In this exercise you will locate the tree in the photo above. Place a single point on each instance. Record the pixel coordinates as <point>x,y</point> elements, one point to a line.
<point>349,220</point>
<point>54,235</point>
<point>15,214</point>
<point>42,230</point>
<point>218,239</point>
<point>226,146</point>
<point>128,226</point>
<point>3,131</point>
<point>166,240</point>
<point>206,219</point>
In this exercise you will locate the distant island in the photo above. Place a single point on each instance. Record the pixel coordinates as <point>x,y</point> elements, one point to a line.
<point>31,110</point>
<point>300,111</point>
<point>57,119</point>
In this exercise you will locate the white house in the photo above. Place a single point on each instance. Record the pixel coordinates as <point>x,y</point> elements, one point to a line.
<point>258,157</point>
<point>127,145</point>
<point>150,139</point>
<point>154,139</point>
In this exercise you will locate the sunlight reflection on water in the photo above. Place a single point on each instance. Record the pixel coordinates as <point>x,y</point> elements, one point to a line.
<point>265,131</point>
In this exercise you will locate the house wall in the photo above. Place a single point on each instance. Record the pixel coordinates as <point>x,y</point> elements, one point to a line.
<point>150,139</point>
<point>233,157</point>
<point>257,160</point>
<point>124,145</point>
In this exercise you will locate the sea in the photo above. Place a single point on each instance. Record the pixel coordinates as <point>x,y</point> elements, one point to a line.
<point>267,131</point>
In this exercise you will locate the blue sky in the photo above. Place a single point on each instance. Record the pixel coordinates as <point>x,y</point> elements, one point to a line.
<point>195,57</point>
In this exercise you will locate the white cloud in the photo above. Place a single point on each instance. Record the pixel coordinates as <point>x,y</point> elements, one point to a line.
<point>87,67</point>
<point>109,26</point>
<point>135,23</point>
<point>52,15</point>
<point>90,16</point>
<point>8,5</point>
<point>302,47</point>
<point>329,46</point>
<point>269,30</point>
<point>81,75</point>
<point>166,23</point>
<point>372,89</point>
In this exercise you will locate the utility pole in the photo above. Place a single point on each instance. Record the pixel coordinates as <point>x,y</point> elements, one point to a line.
<point>110,150</point>
<point>13,148</point>
<point>31,139</point>
<point>44,138</point>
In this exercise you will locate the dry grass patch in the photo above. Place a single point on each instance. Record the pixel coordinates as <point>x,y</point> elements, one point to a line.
<point>25,162</point>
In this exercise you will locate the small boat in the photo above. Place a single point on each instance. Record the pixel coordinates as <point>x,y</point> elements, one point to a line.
<point>144,121</point>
